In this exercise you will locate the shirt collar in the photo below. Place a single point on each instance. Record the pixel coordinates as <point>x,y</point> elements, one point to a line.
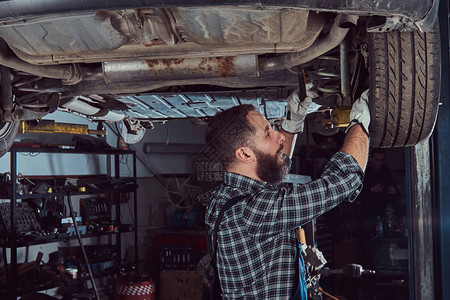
<point>244,183</point>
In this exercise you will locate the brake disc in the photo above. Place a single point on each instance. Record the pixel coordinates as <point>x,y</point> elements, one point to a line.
<point>132,131</point>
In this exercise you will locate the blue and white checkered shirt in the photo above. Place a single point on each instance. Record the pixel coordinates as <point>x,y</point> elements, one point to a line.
<point>257,248</point>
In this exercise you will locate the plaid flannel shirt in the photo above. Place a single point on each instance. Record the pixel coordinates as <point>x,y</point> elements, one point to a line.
<point>257,247</point>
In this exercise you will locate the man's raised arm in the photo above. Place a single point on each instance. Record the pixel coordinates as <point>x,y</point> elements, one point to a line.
<point>356,142</point>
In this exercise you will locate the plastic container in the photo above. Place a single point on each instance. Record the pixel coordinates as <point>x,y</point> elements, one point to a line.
<point>126,290</point>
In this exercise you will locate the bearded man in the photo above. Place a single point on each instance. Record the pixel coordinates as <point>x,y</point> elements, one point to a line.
<point>257,255</point>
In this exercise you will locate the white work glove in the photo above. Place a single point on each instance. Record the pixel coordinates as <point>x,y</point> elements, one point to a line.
<point>310,92</point>
<point>296,112</point>
<point>360,113</point>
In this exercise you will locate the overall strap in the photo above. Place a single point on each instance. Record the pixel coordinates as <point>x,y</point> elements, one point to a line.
<point>225,207</point>
<point>302,289</point>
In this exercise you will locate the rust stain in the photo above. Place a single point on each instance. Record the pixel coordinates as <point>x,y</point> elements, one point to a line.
<point>153,42</point>
<point>167,63</point>
<point>176,61</point>
<point>162,65</point>
<point>102,16</point>
<point>225,65</point>
<point>203,65</point>
<point>151,63</point>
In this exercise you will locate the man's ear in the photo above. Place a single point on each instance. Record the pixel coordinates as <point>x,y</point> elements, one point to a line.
<point>245,155</point>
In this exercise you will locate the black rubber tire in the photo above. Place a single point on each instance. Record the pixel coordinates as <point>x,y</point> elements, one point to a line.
<point>405,74</point>
<point>8,131</point>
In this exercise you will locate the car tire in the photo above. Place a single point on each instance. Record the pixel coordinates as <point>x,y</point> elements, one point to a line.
<point>8,131</point>
<point>404,83</point>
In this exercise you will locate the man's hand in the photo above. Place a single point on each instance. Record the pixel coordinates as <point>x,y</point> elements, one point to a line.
<point>360,113</point>
<point>296,111</point>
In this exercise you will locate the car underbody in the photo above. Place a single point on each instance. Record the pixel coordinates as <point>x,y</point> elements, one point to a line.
<point>136,61</point>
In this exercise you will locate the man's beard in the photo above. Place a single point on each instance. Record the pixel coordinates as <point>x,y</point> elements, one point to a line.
<point>269,168</point>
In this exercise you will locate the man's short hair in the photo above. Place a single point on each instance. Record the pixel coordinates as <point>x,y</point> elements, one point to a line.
<point>229,130</point>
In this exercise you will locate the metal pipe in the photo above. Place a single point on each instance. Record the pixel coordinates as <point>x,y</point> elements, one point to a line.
<point>173,69</point>
<point>70,74</point>
<point>12,274</point>
<point>135,209</point>
<point>99,86</point>
<point>7,99</point>
<point>337,33</point>
<point>116,199</point>
<point>345,72</point>
<point>5,77</point>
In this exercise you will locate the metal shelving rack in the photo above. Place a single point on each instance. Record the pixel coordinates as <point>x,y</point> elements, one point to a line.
<point>13,243</point>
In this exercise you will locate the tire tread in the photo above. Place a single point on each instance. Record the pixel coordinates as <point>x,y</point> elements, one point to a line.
<point>404,86</point>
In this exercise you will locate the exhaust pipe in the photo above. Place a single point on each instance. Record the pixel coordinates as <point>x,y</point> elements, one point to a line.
<point>338,31</point>
<point>180,68</point>
<point>69,74</point>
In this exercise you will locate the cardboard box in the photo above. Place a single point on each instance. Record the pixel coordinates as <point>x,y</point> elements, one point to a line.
<point>180,285</point>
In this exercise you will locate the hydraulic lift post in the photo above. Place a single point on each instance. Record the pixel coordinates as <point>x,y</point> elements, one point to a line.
<point>441,146</point>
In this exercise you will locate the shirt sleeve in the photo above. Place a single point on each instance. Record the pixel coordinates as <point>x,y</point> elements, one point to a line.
<point>286,208</point>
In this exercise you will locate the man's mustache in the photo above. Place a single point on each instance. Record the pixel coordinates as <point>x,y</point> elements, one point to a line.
<point>280,149</point>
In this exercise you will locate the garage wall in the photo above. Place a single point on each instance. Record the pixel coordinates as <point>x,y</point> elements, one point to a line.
<point>170,148</point>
